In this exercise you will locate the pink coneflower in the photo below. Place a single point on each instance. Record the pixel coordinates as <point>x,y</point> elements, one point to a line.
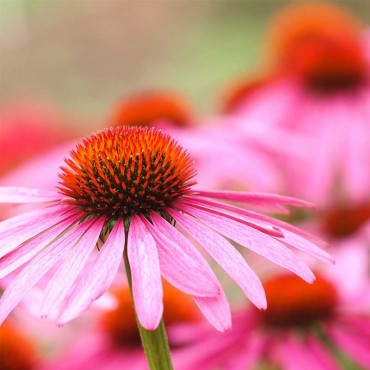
<point>17,351</point>
<point>323,94</point>
<point>132,186</point>
<point>304,327</point>
<point>150,107</point>
<point>112,339</point>
<point>27,128</point>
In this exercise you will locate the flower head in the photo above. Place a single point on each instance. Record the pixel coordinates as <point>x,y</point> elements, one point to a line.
<point>345,220</point>
<point>321,44</point>
<point>27,128</point>
<point>123,171</point>
<point>150,107</point>
<point>17,352</point>
<point>316,325</point>
<point>130,187</point>
<point>298,304</point>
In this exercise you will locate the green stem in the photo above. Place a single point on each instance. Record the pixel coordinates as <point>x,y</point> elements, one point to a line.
<point>155,342</point>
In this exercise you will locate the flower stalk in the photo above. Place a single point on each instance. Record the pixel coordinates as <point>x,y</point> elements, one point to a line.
<point>155,342</point>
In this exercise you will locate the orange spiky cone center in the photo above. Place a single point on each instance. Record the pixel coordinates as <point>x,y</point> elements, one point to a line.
<point>346,220</point>
<point>321,44</point>
<point>151,107</point>
<point>17,352</point>
<point>124,170</point>
<point>120,323</point>
<point>293,302</point>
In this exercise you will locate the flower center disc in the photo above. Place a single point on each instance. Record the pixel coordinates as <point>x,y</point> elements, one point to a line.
<point>346,220</point>
<point>291,301</point>
<point>124,170</point>
<point>321,44</point>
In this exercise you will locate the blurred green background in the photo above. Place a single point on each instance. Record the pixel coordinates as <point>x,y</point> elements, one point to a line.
<point>82,55</point>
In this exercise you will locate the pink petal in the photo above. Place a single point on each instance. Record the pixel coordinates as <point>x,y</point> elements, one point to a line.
<point>17,230</point>
<point>64,278</point>
<point>272,200</point>
<point>255,241</point>
<point>36,269</point>
<point>146,277</point>
<point>255,217</point>
<point>325,358</point>
<point>291,353</point>
<point>249,355</point>
<point>32,247</point>
<point>227,256</point>
<point>352,345</point>
<point>291,236</point>
<point>26,195</point>
<point>181,263</point>
<point>96,280</point>
<point>248,221</point>
<point>216,310</point>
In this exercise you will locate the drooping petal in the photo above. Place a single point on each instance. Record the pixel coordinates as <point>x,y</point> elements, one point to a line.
<point>146,277</point>
<point>255,217</point>
<point>181,263</point>
<point>36,269</point>
<point>216,310</point>
<point>248,221</point>
<point>319,350</point>
<point>255,241</point>
<point>249,355</point>
<point>293,352</point>
<point>64,278</point>
<point>351,345</point>
<point>227,256</point>
<point>17,230</point>
<point>31,248</point>
<point>273,201</point>
<point>25,195</point>
<point>96,280</point>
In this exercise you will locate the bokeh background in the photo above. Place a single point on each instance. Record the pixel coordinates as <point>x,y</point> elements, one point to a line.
<point>83,55</point>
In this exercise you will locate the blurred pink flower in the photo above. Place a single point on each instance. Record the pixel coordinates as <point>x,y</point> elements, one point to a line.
<point>319,326</point>
<point>134,184</point>
<point>149,107</point>
<point>17,350</point>
<point>27,128</point>
<point>112,340</point>
<point>321,93</point>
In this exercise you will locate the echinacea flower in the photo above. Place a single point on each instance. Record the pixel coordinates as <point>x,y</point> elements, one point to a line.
<point>17,350</point>
<point>129,190</point>
<point>151,107</point>
<point>316,326</point>
<point>112,340</point>
<point>321,92</point>
<point>27,128</point>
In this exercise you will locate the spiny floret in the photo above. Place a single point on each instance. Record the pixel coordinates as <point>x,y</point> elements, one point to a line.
<point>125,170</point>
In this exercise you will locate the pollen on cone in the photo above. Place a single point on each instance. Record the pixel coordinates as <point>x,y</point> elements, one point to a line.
<point>149,107</point>
<point>126,170</point>
<point>319,43</point>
